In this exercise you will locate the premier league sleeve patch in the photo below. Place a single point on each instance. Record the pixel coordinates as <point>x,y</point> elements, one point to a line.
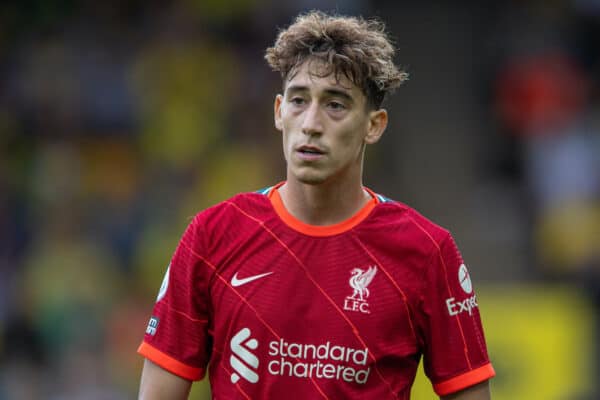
<point>152,326</point>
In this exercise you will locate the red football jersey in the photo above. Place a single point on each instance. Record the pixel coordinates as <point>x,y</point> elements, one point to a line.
<point>276,308</point>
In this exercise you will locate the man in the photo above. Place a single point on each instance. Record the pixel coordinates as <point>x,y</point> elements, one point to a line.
<point>318,288</point>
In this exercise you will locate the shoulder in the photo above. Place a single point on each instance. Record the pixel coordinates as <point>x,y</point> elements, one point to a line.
<point>419,241</point>
<point>233,207</point>
<point>403,218</point>
<point>236,212</point>
<point>223,226</point>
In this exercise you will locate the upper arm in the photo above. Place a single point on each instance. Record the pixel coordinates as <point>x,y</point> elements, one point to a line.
<point>455,354</point>
<point>158,383</point>
<point>177,337</point>
<point>481,391</point>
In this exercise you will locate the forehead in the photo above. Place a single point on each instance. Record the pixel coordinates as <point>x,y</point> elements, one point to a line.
<point>312,74</point>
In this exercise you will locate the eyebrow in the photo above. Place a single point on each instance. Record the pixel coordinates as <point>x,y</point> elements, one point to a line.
<point>330,91</point>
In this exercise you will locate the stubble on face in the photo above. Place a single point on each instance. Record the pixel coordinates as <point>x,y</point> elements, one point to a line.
<point>326,114</point>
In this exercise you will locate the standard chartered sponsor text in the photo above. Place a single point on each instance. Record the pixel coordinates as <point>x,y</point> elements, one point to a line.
<point>325,361</point>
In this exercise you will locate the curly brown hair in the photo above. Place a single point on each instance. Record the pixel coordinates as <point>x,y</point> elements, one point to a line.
<point>357,48</point>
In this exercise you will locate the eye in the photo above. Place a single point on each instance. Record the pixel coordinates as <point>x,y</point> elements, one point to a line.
<point>336,105</point>
<point>298,101</point>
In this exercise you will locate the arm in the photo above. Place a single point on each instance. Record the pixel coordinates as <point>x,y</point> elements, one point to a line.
<point>176,341</point>
<point>158,383</point>
<point>481,391</point>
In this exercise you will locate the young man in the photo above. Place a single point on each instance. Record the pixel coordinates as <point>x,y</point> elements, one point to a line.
<point>318,288</point>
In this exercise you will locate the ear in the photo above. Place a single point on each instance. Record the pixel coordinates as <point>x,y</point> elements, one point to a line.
<point>277,112</point>
<point>378,121</point>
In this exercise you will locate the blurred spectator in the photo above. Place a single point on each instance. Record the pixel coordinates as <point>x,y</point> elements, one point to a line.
<point>544,98</point>
<point>548,97</point>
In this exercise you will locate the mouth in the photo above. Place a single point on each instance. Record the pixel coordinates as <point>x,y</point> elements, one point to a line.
<point>309,150</point>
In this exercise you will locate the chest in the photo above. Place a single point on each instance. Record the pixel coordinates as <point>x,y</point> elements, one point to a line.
<point>313,291</point>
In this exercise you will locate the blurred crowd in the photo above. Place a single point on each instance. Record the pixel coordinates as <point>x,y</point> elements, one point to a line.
<point>547,96</point>
<point>119,120</point>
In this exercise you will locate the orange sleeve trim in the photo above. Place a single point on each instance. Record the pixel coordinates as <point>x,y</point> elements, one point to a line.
<point>169,363</point>
<point>319,230</point>
<point>465,380</point>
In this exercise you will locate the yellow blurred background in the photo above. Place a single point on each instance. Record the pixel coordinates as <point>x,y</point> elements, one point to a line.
<point>119,120</point>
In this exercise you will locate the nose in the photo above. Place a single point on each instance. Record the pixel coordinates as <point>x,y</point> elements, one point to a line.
<point>312,123</point>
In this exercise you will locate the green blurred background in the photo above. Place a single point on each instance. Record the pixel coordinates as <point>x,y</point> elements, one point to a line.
<point>119,120</point>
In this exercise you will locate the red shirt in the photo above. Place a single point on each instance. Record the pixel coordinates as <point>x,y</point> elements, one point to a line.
<point>282,309</point>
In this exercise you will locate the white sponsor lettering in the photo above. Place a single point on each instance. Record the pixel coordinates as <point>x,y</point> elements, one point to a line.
<point>239,344</point>
<point>309,360</point>
<point>282,367</point>
<point>457,307</point>
<point>326,361</point>
<point>321,352</point>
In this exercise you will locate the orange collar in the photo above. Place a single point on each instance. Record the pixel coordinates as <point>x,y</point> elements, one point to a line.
<point>319,230</point>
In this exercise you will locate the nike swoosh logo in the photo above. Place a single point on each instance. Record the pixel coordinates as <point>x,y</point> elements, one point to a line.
<point>235,282</point>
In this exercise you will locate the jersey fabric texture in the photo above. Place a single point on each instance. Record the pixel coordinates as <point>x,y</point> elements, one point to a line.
<point>276,308</point>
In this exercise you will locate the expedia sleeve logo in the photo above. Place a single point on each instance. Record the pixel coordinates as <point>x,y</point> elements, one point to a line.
<point>456,307</point>
<point>465,279</point>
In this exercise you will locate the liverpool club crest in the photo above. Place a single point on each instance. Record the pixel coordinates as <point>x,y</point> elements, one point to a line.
<point>359,282</point>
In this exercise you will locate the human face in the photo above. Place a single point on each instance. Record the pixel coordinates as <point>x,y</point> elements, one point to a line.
<point>325,125</point>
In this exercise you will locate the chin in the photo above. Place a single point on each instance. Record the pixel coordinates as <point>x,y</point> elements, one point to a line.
<point>311,179</point>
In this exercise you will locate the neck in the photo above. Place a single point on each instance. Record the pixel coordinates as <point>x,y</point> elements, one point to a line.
<point>323,204</point>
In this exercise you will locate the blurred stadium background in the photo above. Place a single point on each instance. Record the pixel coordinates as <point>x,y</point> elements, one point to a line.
<point>119,120</point>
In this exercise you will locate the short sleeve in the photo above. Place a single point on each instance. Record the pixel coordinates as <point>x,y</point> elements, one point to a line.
<point>455,354</point>
<point>177,337</point>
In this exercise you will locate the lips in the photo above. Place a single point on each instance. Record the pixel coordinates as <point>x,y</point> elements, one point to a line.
<point>308,150</point>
